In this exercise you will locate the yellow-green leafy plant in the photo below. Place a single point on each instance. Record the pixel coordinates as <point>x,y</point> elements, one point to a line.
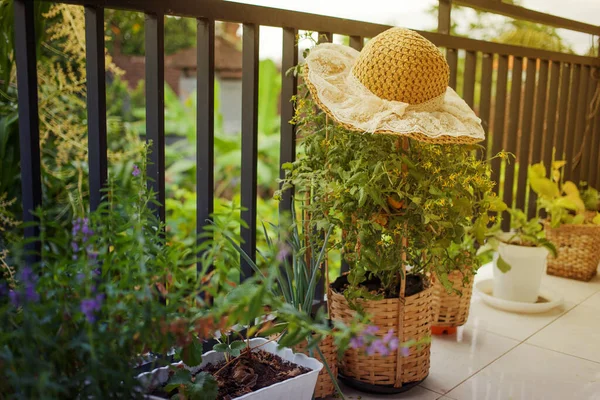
<point>388,198</point>
<point>590,196</point>
<point>560,199</point>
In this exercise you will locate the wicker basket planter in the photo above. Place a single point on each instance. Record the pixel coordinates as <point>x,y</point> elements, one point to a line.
<point>578,251</point>
<point>452,309</point>
<point>325,386</point>
<point>394,371</point>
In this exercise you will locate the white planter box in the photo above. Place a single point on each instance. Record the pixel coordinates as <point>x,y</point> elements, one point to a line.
<point>522,282</point>
<point>297,388</point>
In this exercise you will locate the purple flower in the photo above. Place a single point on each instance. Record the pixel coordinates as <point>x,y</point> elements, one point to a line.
<point>393,344</point>
<point>92,255</point>
<point>89,307</point>
<point>405,351</point>
<point>377,346</point>
<point>80,277</point>
<point>136,170</point>
<point>284,252</point>
<point>388,336</point>
<point>14,298</point>
<point>3,289</point>
<point>31,295</point>
<point>75,246</point>
<point>28,294</point>
<point>76,227</point>
<point>370,330</point>
<point>357,342</point>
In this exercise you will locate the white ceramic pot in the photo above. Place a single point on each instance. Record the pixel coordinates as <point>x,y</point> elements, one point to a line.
<point>299,387</point>
<point>522,282</point>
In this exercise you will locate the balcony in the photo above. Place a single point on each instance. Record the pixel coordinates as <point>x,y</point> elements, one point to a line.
<point>74,134</point>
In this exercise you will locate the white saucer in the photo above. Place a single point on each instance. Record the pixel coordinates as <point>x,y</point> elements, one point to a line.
<point>547,300</point>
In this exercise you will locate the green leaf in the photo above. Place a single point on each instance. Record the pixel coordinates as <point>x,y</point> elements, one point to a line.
<point>191,354</point>
<point>181,377</point>
<point>236,347</point>
<point>221,347</point>
<point>536,171</point>
<point>544,187</point>
<point>502,265</point>
<point>578,219</point>
<point>205,387</point>
<point>496,204</point>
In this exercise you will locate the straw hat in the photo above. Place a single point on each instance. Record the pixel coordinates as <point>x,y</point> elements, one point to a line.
<point>398,84</point>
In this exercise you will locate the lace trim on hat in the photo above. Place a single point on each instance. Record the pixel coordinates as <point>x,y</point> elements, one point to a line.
<point>351,103</point>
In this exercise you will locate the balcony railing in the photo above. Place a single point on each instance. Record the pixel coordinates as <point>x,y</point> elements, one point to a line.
<point>546,106</point>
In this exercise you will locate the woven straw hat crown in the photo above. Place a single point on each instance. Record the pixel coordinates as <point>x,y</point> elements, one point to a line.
<point>401,65</point>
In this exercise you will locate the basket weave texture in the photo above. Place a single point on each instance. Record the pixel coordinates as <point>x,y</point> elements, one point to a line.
<point>325,386</point>
<point>578,249</point>
<point>377,369</point>
<point>452,309</point>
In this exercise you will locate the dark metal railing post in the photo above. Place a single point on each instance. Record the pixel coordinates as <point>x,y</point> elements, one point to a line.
<point>205,124</point>
<point>249,142</point>
<point>514,116</point>
<point>526,129</point>
<point>499,117</point>
<point>96,103</point>
<point>155,108</point>
<point>289,85</point>
<point>29,134</point>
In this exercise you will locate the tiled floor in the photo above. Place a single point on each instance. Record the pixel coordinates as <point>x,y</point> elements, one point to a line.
<point>504,356</point>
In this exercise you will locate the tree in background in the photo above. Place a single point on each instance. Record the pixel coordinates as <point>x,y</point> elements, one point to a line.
<point>495,28</point>
<point>127,29</point>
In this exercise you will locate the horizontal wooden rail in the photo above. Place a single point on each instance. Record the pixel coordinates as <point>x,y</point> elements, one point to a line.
<point>518,12</point>
<point>258,15</point>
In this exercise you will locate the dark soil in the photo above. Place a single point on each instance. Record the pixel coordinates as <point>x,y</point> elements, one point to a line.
<point>414,284</point>
<point>248,373</point>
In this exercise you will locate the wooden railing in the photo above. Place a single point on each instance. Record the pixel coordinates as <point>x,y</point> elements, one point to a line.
<point>545,105</point>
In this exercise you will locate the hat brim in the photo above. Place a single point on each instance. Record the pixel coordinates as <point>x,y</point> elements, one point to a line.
<point>327,73</point>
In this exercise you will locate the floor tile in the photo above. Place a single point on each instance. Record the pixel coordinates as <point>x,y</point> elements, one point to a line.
<point>532,373</point>
<point>593,301</point>
<point>512,325</point>
<point>454,358</point>
<point>573,291</point>
<point>576,333</point>
<point>416,393</point>
<point>519,326</point>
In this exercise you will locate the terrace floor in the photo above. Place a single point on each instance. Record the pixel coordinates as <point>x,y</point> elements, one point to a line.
<point>504,356</point>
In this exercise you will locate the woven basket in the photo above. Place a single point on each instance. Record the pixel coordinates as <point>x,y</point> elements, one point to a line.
<point>395,369</point>
<point>452,309</point>
<point>578,249</point>
<point>325,386</point>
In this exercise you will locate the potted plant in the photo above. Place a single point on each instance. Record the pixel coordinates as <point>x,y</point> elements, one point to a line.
<point>374,170</point>
<point>301,260</point>
<point>519,257</point>
<point>396,207</point>
<point>277,302</point>
<point>575,232</point>
<point>453,289</point>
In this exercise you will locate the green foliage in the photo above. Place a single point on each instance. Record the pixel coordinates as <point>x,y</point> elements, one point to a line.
<point>523,232</point>
<point>94,307</point>
<point>378,191</point>
<point>561,200</point>
<point>590,196</point>
<point>127,29</point>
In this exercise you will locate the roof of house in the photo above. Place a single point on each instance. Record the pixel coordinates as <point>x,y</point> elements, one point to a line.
<point>228,59</point>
